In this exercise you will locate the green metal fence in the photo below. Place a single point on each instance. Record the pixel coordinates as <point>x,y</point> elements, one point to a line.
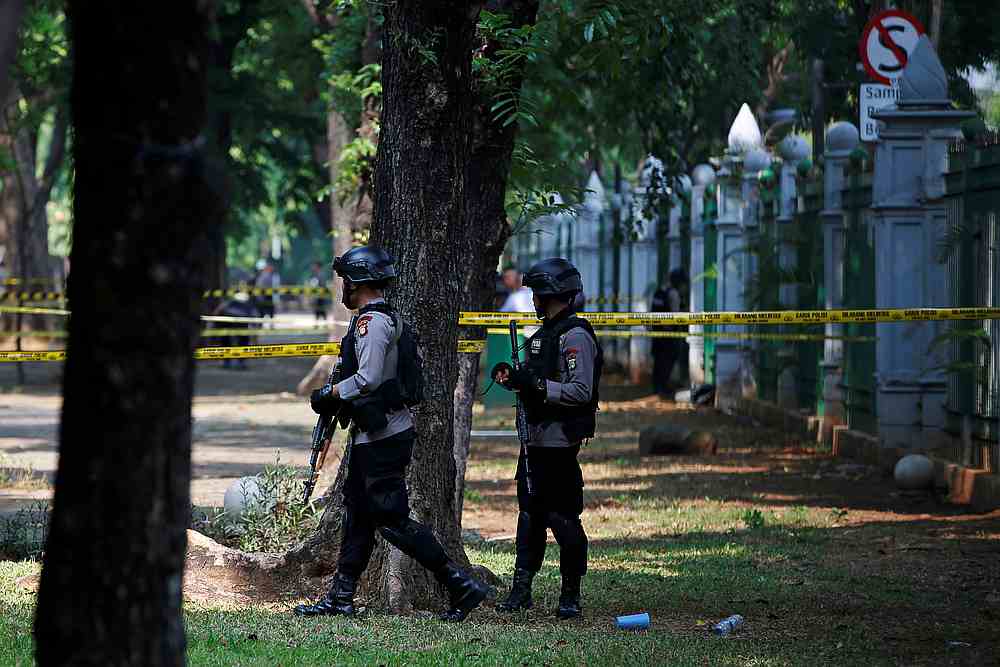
<point>972,247</point>
<point>764,296</point>
<point>709,280</point>
<point>809,276</point>
<point>859,292</point>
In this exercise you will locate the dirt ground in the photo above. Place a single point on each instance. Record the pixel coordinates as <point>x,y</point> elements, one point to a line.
<point>245,420</point>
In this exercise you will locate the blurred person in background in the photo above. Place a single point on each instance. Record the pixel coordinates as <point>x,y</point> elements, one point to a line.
<point>671,297</point>
<point>518,297</point>
<point>320,301</point>
<point>267,278</point>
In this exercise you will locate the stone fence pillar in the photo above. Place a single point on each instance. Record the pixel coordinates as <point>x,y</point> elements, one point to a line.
<point>702,176</point>
<point>910,220</point>
<point>841,139</point>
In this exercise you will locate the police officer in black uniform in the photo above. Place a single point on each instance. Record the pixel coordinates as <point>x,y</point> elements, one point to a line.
<point>558,384</point>
<point>368,393</point>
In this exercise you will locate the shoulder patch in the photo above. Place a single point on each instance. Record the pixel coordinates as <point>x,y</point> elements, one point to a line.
<point>363,325</point>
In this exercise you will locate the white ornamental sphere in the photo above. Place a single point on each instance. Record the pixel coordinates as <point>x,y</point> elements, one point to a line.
<point>242,494</point>
<point>757,159</point>
<point>914,471</point>
<point>794,149</point>
<point>703,174</point>
<point>842,137</point>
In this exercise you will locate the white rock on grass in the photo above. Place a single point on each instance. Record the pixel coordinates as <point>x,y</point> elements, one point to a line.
<point>914,471</point>
<point>242,494</point>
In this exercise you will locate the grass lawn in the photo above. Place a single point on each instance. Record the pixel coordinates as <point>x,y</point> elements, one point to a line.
<point>826,563</point>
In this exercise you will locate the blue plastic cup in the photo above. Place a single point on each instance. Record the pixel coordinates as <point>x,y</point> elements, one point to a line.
<point>634,621</point>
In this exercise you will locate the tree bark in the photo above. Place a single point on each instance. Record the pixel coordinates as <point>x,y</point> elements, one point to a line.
<point>110,590</point>
<point>937,10</point>
<point>421,218</point>
<point>485,190</point>
<point>10,20</point>
<point>21,206</point>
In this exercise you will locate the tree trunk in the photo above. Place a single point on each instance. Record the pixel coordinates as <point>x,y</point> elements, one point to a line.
<point>485,189</point>
<point>420,217</point>
<point>10,21</point>
<point>937,10</point>
<point>26,222</point>
<point>110,590</point>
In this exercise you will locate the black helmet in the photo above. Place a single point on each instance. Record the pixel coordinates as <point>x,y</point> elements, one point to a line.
<point>554,277</point>
<point>365,264</point>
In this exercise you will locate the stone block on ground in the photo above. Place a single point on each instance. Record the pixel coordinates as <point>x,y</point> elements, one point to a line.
<point>668,439</point>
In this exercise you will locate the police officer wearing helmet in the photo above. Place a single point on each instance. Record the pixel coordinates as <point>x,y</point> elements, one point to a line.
<point>367,394</point>
<point>558,384</point>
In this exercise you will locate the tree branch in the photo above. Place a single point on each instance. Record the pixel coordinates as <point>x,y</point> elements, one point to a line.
<point>10,20</point>
<point>57,150</point>
<point>321,20</point>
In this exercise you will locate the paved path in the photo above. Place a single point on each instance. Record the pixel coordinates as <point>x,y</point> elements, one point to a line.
<point>243,420</point>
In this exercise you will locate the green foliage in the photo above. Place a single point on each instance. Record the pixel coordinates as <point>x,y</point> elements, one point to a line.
<point>23,533</point>
<point>753,519</point>
<point>282,521</point>
<point>275,521</point>
<point>992,111</point>
<point>357,156</point>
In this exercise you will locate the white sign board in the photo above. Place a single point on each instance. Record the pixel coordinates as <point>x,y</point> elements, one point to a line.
<point>873,97</point>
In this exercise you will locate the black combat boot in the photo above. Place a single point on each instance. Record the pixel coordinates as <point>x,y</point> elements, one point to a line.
<point>569,598</point>
<point>520,592</point>
<point>465,592</point>
<point>339,601</point>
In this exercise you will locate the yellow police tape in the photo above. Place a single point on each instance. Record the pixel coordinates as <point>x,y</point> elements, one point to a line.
<point>303,290</point>
<point>740,318</point>
<point>33,311</point>
<point>298,290</point>
<point>605,333</point>
<point>32,281</point>
<point>32,296</point>
<point>241,352</point>
<point>736,335</point>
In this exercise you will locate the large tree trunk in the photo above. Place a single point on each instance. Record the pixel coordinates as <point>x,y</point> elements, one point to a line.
<point>485,189</point>
<point>420,217</point>
<point>110,590</point>
<point>23,198</point>
<point>10,21</point>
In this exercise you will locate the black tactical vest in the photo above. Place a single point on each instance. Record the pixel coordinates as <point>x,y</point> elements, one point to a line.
<point>579,421</point>
<point>368,412</point>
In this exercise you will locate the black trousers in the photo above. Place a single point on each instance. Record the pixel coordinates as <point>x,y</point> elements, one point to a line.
<point>556,505</point>
<point>375,498</point>
<point>666,352</point>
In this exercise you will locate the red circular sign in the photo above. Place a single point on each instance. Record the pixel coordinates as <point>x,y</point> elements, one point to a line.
<point>887,42</point>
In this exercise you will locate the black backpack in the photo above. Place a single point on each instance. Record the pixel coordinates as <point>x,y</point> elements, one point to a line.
<point>410,368</point>
<point>410,372</point>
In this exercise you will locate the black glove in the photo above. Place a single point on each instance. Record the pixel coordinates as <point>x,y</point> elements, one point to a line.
<point>527,382</point>
<point>323,401</point>
<point>503,366</point>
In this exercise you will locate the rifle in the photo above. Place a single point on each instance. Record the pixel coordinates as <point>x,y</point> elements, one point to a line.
<point>322,435</point>
<point>521,418</point>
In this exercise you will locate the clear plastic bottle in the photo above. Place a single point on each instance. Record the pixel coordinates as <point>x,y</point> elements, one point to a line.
<point>727,625</point>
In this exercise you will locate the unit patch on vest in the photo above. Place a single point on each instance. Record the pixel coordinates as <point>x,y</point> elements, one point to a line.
<point>536,345</point>
<point>363,325</point>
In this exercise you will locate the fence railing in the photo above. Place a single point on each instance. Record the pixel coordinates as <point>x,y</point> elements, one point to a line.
<point>972,249</point>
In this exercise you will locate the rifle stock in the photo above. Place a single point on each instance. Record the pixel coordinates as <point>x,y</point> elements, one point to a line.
<point>322,435</point>
<point>521,418</point>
